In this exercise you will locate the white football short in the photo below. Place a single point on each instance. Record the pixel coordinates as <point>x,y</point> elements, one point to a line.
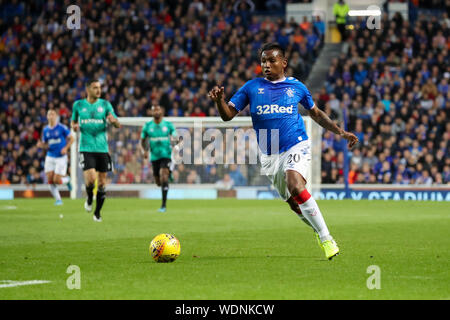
<point>57,165</point>
<point>274,166</point>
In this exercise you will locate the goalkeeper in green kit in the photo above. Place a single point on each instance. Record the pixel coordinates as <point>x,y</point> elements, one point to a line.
<point>91,116</point>
<point>159,132</point>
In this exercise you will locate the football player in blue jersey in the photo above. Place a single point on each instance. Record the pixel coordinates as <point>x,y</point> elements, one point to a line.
<point>57,139</point>
<point>273,104</point>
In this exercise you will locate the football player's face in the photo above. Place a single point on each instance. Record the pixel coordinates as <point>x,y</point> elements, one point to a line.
<point>94,90</point>
<point>273,64</point>
<point>51,117</point>
<point>157,111</point>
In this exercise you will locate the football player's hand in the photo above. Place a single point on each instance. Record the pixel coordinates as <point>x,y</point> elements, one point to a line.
<point>75,127</point>
<point>110,118</point>
<point>144,153</point>
<point>350,137</point>
<point>114,121</point>
<point>64,150</point>
<point>216,94</point>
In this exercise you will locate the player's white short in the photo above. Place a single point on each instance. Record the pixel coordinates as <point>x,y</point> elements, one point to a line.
<point>274,166</point>
<point>57,165</point>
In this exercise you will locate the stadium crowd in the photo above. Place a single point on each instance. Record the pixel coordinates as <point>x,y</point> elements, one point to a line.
<point>144,52</point>
<point>393,83</point>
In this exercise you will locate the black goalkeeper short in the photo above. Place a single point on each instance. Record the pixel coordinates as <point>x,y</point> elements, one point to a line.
<point>100,161</point>
<point>159,164</point>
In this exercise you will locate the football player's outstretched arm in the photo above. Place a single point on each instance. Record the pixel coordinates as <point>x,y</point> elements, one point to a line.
<point>324,121</point>
<point>226,112</point>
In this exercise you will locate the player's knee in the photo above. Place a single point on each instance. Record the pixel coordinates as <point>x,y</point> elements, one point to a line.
<point>164,175</point>
<point>296,190</point>
<point>101,184</point>
<point>90,185</point>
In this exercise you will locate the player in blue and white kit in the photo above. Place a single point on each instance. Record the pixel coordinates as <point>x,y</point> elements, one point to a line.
<point>273,104</point>
<point>57,139</point>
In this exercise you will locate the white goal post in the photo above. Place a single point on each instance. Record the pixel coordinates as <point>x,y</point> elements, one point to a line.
<point>124,141</point>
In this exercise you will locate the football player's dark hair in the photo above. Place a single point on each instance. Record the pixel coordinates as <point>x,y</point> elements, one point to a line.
<point>89,81</point>
<point>272,46</point>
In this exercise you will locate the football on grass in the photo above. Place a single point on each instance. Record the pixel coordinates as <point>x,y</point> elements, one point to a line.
<point>165,248</point>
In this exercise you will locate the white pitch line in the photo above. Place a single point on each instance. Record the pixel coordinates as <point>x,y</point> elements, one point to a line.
<point>11,283</point>
<point>9,207</point>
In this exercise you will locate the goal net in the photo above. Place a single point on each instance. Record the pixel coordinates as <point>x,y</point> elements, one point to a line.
<point>210,154</point>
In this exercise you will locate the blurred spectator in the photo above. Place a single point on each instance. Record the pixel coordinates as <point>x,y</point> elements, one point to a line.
<point>211,175</point>
<point>143,52</point>
<point>226,183</point>
<point>4,179</point>
<point>125,177</point>
<point>197,112</point>
<point>395,106</point>
<point>394,83</point>
<point>236,176</point>
<point>320,27</point>
<point>193,177</point>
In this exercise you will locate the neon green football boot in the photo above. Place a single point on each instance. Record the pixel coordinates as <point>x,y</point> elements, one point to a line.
<point>331,249</point>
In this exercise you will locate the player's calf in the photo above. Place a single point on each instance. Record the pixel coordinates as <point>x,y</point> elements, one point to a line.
<point>53,188</point>
<point>295,207</point>
<point>90,193</point>
<point>313,214</point>
<point>164,174</point>
<point>101,196</point>
<point>297,187</point>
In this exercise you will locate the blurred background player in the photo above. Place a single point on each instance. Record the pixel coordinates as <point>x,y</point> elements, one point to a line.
<point>273,104</point>
<point>159,132</point>
<point>57,139</point>
<point>91,116</point>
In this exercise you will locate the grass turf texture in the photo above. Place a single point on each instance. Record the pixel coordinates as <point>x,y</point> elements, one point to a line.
<point>230,249</point>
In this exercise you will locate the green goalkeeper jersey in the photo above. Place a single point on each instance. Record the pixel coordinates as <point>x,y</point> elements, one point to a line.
<point>92,121</point>
<point>159,136</point>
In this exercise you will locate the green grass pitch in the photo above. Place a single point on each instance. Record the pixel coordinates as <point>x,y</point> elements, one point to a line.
<point>230,249</point>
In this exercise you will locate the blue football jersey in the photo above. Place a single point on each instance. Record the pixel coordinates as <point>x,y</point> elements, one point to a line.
<point>56,138</point>
<point>274,105</point>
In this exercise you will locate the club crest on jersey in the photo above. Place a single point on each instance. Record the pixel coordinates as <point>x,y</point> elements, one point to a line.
<point>290,92</point>
<point>84,110</point>
<point>100,109</point>
<point>260,90</point>
<point>164,129</point>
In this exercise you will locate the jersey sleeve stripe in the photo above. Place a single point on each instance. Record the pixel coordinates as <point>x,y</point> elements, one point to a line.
<point>231,104</point>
